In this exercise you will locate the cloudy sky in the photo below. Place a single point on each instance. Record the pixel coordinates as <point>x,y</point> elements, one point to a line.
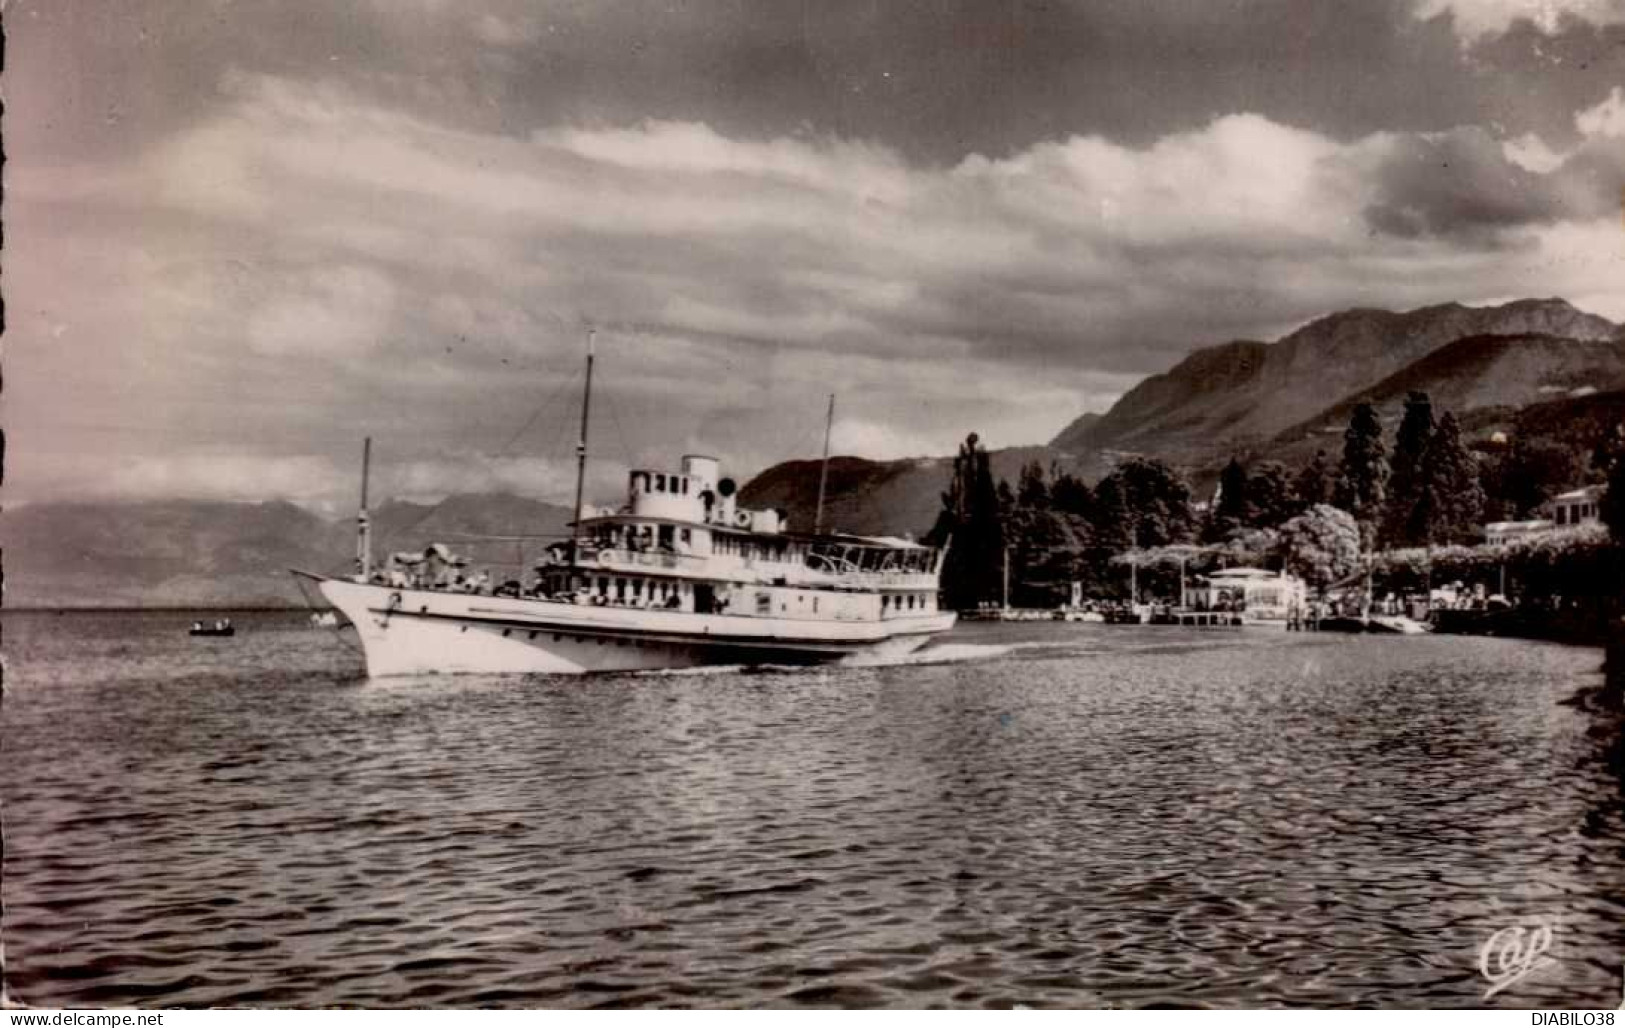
<point>243,234</point>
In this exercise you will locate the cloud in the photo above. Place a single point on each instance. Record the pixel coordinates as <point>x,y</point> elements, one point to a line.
<point>431,478</point>
<point>1459,182</point>
<point>317,481</point>
<point>882,442</point>
<point>229,476</point>
<point>1530,152</point>
<point>1606,120</point>
<point>494,30</point>
<point>343,309</point>
<point>305,266</point>
<point>1476,20</point>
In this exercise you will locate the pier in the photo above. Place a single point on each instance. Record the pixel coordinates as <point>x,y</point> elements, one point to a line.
<point>1197,618</point>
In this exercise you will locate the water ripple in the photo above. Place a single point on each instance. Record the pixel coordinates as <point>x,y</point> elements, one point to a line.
<point>1047,815</point>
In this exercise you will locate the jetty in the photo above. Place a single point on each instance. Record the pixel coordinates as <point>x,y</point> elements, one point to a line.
<point>1197,618</point>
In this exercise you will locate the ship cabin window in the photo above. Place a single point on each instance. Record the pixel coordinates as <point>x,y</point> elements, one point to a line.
<point>640,481</point>
<point>684,481</point>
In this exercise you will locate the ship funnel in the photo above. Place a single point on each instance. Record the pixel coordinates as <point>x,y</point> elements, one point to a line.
<point>702,470</point>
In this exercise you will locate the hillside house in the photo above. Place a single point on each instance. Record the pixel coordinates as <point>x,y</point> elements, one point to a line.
<point>1578,507</point>
<point>1581,506</point>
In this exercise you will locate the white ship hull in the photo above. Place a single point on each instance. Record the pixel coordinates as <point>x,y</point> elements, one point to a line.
<point>416,632</point>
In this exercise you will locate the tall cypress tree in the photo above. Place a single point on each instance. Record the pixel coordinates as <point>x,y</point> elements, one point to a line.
<point>1111,528</point>
<point>1402,524</point>
<point>1362,477</point>
<point>1450,499</point>
<point>970,516</point>
<point>1112,520</point>
<point>1230,507</point>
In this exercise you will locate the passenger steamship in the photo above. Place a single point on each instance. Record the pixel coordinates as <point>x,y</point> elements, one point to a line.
<point>681,575</point>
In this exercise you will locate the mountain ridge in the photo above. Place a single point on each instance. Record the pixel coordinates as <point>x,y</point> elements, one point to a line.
<point>1179,416</point>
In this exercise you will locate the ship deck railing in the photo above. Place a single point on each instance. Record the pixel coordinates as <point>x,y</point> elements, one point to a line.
<point>791,571</point>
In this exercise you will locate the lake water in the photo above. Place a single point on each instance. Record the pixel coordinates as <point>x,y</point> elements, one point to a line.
<point>1047,814</point>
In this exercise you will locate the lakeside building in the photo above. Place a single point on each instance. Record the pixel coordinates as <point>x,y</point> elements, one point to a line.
<point>1260,595</point>
<point>1497,532</point>
<point>1581,506</point>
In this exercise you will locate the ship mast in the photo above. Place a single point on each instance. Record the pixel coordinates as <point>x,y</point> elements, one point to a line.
<point>823,471</point>
<point>581,455</point>
<point>363,542</point>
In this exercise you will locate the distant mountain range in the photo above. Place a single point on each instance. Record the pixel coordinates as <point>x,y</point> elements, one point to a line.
<point>1240,396</point>
<point>1492,366</point>
<point>1532,367</point>
<point>197,553</point>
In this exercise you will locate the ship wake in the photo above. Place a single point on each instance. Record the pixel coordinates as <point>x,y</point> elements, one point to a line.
<point>952,653</point>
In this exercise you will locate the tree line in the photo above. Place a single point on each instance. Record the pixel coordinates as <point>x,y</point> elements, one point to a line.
<point>1429,488</point>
